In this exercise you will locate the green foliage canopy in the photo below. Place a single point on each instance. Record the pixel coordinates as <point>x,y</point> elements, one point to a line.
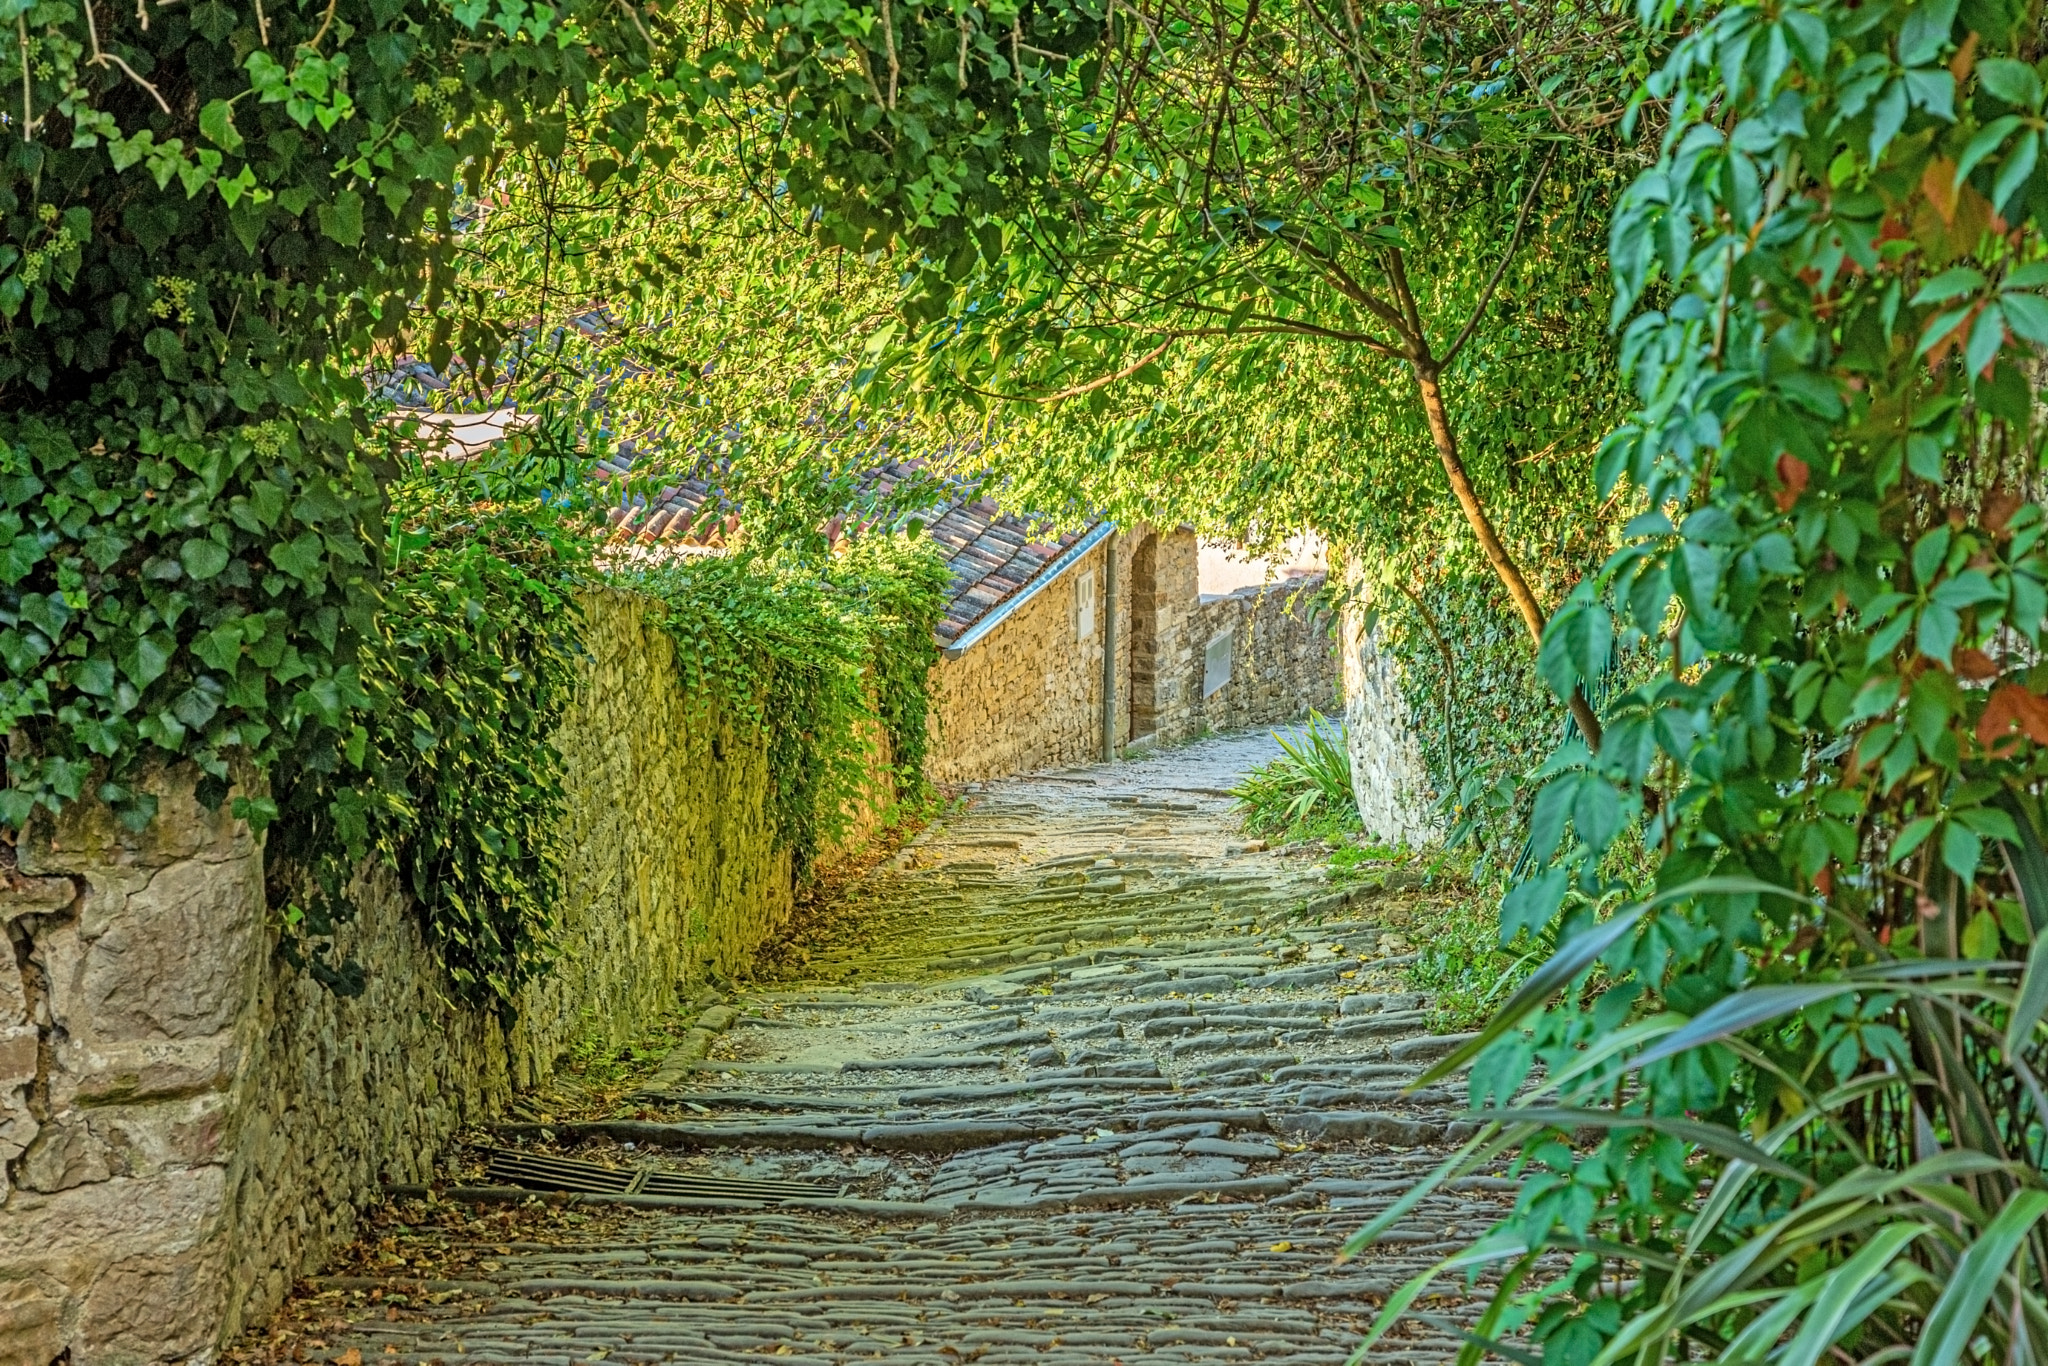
<point>208,215</point>
<point>1812,1044</point>
<point>1253,267</point>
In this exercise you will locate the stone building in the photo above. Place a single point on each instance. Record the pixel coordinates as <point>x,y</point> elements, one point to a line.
<point>1029,621</point>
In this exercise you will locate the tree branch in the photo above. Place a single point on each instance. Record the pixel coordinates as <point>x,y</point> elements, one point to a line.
<point>1347,285</point>
<point>1090,387</point>
<point>101,58</point>
<point>895,67</point>
<point>1493,281</point>
<point>1270,326</point>
<point>1404,297</point>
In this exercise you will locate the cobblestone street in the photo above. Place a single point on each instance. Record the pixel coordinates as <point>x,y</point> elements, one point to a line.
<point>1080,1076</point>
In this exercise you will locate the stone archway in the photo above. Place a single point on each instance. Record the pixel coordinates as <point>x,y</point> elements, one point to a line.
<point>1144,679</point>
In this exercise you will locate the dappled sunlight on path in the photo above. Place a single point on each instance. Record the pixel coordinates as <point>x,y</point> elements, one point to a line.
<point>1077,1077</point>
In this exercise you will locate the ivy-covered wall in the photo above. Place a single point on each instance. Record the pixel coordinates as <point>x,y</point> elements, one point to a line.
<point>1443,694</point>
<point>203,1126</point>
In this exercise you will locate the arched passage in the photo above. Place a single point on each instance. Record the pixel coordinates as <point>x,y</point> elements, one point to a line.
<point>1144,714</point>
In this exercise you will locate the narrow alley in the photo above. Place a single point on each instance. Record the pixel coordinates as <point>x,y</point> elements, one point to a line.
<point>1078,1077</point>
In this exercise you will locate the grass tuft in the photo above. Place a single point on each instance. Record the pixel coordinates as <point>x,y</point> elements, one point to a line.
<point>1306,792</point>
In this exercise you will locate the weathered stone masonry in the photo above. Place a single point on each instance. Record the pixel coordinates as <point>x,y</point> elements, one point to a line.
<point>186,1125</point>
<point>1029,695</point>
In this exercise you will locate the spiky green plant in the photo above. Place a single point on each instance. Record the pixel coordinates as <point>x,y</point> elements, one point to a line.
<point>1306,791</point>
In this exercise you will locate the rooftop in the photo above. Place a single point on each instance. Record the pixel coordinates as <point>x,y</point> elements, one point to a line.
<point>993,554</point>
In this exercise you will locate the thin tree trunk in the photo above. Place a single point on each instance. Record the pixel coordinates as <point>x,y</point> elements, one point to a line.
<point>1489,541</point>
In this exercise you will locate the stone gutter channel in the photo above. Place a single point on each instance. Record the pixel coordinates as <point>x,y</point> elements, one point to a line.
<point>1101,1081</point>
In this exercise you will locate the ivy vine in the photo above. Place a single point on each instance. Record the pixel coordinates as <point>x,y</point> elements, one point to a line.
<point>810,654</point>
<point>450,775</point>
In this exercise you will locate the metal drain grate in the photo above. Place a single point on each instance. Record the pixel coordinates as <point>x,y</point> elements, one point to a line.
<point>532,1171</point>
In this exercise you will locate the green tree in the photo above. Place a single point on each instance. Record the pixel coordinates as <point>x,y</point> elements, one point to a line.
<point>1236,206</point>
<point>212,214</point>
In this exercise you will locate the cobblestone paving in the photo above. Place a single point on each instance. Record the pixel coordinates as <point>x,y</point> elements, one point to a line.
<point>1084,1079</point>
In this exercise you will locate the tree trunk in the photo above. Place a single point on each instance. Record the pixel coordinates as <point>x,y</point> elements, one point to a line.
<point>1489,541</point>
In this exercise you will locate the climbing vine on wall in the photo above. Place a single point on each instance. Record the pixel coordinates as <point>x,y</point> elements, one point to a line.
<point>449,774</point>
<point>209,214</point>
<point>811,653</point>
<point>1480,711</point>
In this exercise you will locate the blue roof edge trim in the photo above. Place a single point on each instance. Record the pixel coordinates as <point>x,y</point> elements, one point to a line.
<point>1054,567</point>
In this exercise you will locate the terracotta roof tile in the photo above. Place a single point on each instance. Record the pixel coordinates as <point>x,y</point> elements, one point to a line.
<point>993,554</point>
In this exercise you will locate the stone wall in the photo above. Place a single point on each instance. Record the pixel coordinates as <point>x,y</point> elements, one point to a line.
<point>1029,694</point>
<point>1261,655</point>
<point>128,1054</point>
<point>182,1133</point>
<point>1396,802</point>
<point>1176,600</point>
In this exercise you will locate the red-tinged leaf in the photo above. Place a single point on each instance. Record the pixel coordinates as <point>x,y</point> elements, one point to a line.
<point>1938,183</point>
<point>1999,506</point>
<point>1792,474</point>
<point>1965,58</point>
<point>1975,666</point>
<point>2011,706</point>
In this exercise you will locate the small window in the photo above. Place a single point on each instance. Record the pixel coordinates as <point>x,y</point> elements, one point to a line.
<point>1084,606</point>
<point>1216,662</point>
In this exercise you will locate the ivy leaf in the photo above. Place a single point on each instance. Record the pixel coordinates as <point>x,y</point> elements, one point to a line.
<point>1983,143</point>
<point>94,676</point>
<point>343,219</point>
<point>303,557</point>
<point>217,125</point>
<point>145,661</point>
<point>202,559</point>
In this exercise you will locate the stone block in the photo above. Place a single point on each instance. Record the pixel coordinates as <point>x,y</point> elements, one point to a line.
<point>90,835</point>
<point>150,1139</point>
<point>140,1069</point>
<point>32,1328</point>
<point>65,1154</point>
<point>21,896</point>
<point>171,1213</point>
<point>152,1309</point>
<point>142,979</point>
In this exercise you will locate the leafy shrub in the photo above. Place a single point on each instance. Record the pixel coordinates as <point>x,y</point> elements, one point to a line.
<point>1306,792</point>
<point>810,654</point>
<point>209,214</point>
<point>1460,962</point>
<point>1808,1043</point>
